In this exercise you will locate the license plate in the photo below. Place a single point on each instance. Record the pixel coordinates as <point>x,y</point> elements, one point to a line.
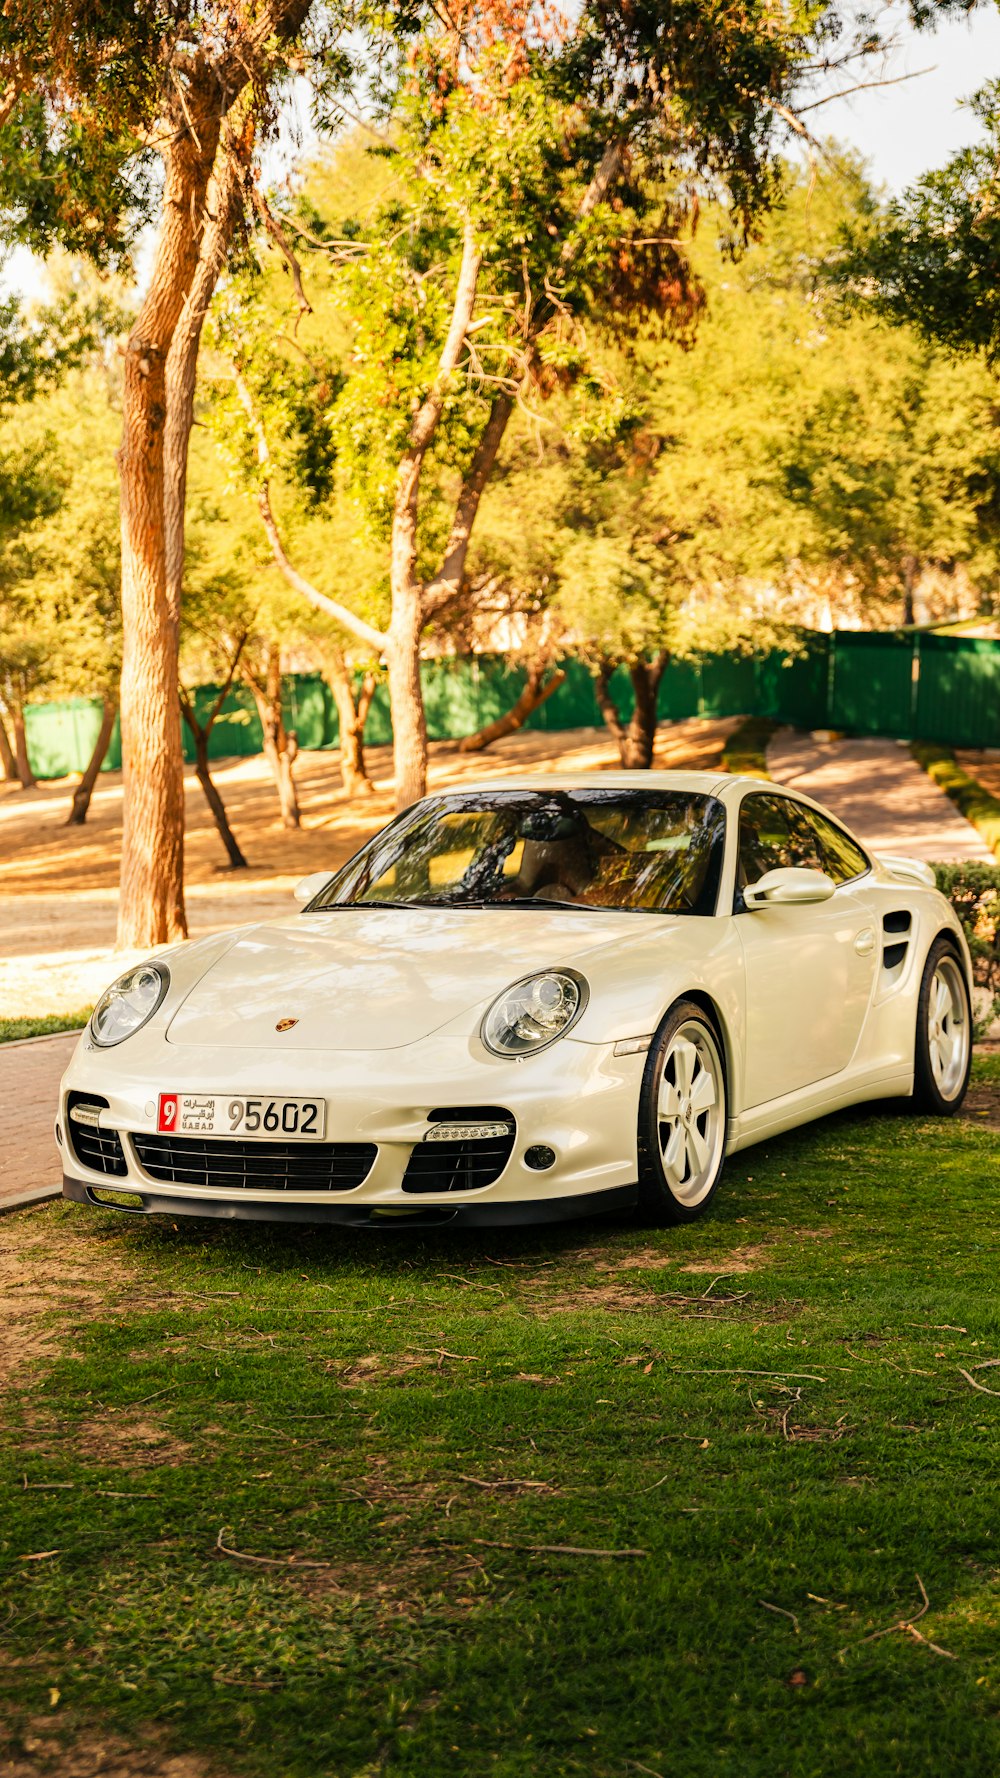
<point>229,1114</point>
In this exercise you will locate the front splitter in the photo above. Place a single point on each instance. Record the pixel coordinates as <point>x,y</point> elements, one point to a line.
<point>510,1214</point>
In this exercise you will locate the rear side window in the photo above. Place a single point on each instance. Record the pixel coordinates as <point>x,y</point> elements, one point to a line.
<point>844,859</point>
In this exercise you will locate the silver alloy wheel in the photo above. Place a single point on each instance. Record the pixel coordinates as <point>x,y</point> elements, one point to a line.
<point>948,1034</point>
<point>690,1113</point>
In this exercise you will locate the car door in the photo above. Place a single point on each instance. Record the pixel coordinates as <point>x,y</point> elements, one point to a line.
<point>809,968</point>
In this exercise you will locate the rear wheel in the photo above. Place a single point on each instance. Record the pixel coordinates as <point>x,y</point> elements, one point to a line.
<point>943,1049</point>
<point>682,1117</point>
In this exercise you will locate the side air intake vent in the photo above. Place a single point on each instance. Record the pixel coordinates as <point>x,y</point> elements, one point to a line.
<point>895,939</point>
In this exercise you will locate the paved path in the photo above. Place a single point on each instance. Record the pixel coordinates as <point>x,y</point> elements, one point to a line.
<point>877,788</point>
<point>29,1083</point>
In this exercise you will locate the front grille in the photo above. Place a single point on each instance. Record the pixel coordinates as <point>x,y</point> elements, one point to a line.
<point>463,1165</point>
<point>100,1150</point>
<point>224,1164</point>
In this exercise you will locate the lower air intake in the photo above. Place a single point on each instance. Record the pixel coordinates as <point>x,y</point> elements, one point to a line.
<point>100,1150</point>
<point>220,1164</point>
<point>462,1163</point>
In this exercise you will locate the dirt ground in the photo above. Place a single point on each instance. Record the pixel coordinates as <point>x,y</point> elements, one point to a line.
<point>59,885</point>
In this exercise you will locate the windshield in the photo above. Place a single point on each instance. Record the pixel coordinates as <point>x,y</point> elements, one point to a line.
<point>651,851</point>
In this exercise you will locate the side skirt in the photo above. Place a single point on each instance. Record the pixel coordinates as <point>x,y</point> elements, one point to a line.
<point>813,1102</point>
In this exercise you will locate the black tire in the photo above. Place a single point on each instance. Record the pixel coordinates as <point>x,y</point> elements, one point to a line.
<point>942,1055</point>
<point>672,1193</point>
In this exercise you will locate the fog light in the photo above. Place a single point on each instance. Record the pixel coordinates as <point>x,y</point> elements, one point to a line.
<point>539,1157</point>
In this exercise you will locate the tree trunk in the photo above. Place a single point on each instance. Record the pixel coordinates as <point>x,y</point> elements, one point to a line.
<point>409,719</point>
<point>641,736</point>
<point>280,746</point>
<point>535,692</point>
<point>7,755</point>
<point>151,902</point>
<point>607,706</point>
<point>21,760</point>
<point>212,797</point>
<point>635,740</point>
<point>352,715</point>
<point>222,208</point>
<point>909,585</point>
<point>85,789</point>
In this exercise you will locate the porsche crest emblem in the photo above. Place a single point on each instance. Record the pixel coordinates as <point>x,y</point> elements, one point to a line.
<point>285,1024</point>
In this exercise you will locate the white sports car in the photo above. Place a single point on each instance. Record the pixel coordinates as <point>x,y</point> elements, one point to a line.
<point>526,1000</point>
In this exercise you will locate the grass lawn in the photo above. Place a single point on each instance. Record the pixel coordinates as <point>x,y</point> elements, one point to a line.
<point>15,1030</point>
<point>407,1433</point>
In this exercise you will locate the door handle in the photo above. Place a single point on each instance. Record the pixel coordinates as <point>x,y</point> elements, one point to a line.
<point>864,944</point>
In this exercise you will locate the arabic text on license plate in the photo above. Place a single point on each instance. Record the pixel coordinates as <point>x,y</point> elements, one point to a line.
<point>228,1114</point>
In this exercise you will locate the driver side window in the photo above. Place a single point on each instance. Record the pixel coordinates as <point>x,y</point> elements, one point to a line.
<point>774,833</point>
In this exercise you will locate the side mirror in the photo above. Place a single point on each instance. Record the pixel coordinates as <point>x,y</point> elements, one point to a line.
<point>783,888</point>
<point>311,885</point>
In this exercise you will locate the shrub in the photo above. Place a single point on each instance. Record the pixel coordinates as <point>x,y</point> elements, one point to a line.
<point>745,752</point>
<point>974,893</point>
<point>975,803</point>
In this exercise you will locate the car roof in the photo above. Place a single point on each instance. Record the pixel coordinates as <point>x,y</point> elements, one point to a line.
<point>705,783</point>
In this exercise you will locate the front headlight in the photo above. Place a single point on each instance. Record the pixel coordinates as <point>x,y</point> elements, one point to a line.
<point>124,1007</point>
<point>534,1012</point>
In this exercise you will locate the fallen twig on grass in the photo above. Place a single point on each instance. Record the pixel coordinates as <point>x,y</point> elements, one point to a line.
<point>476,1483</point>
<point>980,1386</point>
<point>554,1549</point>
<point>742,1371</point>
<point>440,1354</point>
<point>225,1549</point>
<point>144,1398</point>
<point>907,1625</point>
<point>736,1298</point>
<point>781,1613</point>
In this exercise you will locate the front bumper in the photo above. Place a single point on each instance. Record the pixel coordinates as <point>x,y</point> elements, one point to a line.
<point>576,1098</point>
<point>493,1214</point>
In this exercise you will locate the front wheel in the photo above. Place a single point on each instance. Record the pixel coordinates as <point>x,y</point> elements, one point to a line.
<point>943,1051</point>
<point>682,1117</point>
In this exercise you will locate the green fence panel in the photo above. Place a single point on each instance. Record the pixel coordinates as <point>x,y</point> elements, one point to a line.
<point>450,698</point>
<point>680,691</point>
<point>872,687</point>
<point>236,731</point>
<point>958,691</point>
<point>61,736</point>
<point>574,705</point>
<point>728,685</point>
<point>860,681</point>
<point>306,699</point>
<point>794,688</point>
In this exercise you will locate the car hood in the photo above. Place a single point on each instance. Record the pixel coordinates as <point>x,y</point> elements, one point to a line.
<point>380,978</point>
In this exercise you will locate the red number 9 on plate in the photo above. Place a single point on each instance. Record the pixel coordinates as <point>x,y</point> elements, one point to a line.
<point>167,1119</point>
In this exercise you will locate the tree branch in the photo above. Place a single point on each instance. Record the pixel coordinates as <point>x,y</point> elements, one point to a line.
<point>425,420</point>
<point>448,582</point>
<point>330,607</point>
<point>428,414</point>
<point>285,248</point>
